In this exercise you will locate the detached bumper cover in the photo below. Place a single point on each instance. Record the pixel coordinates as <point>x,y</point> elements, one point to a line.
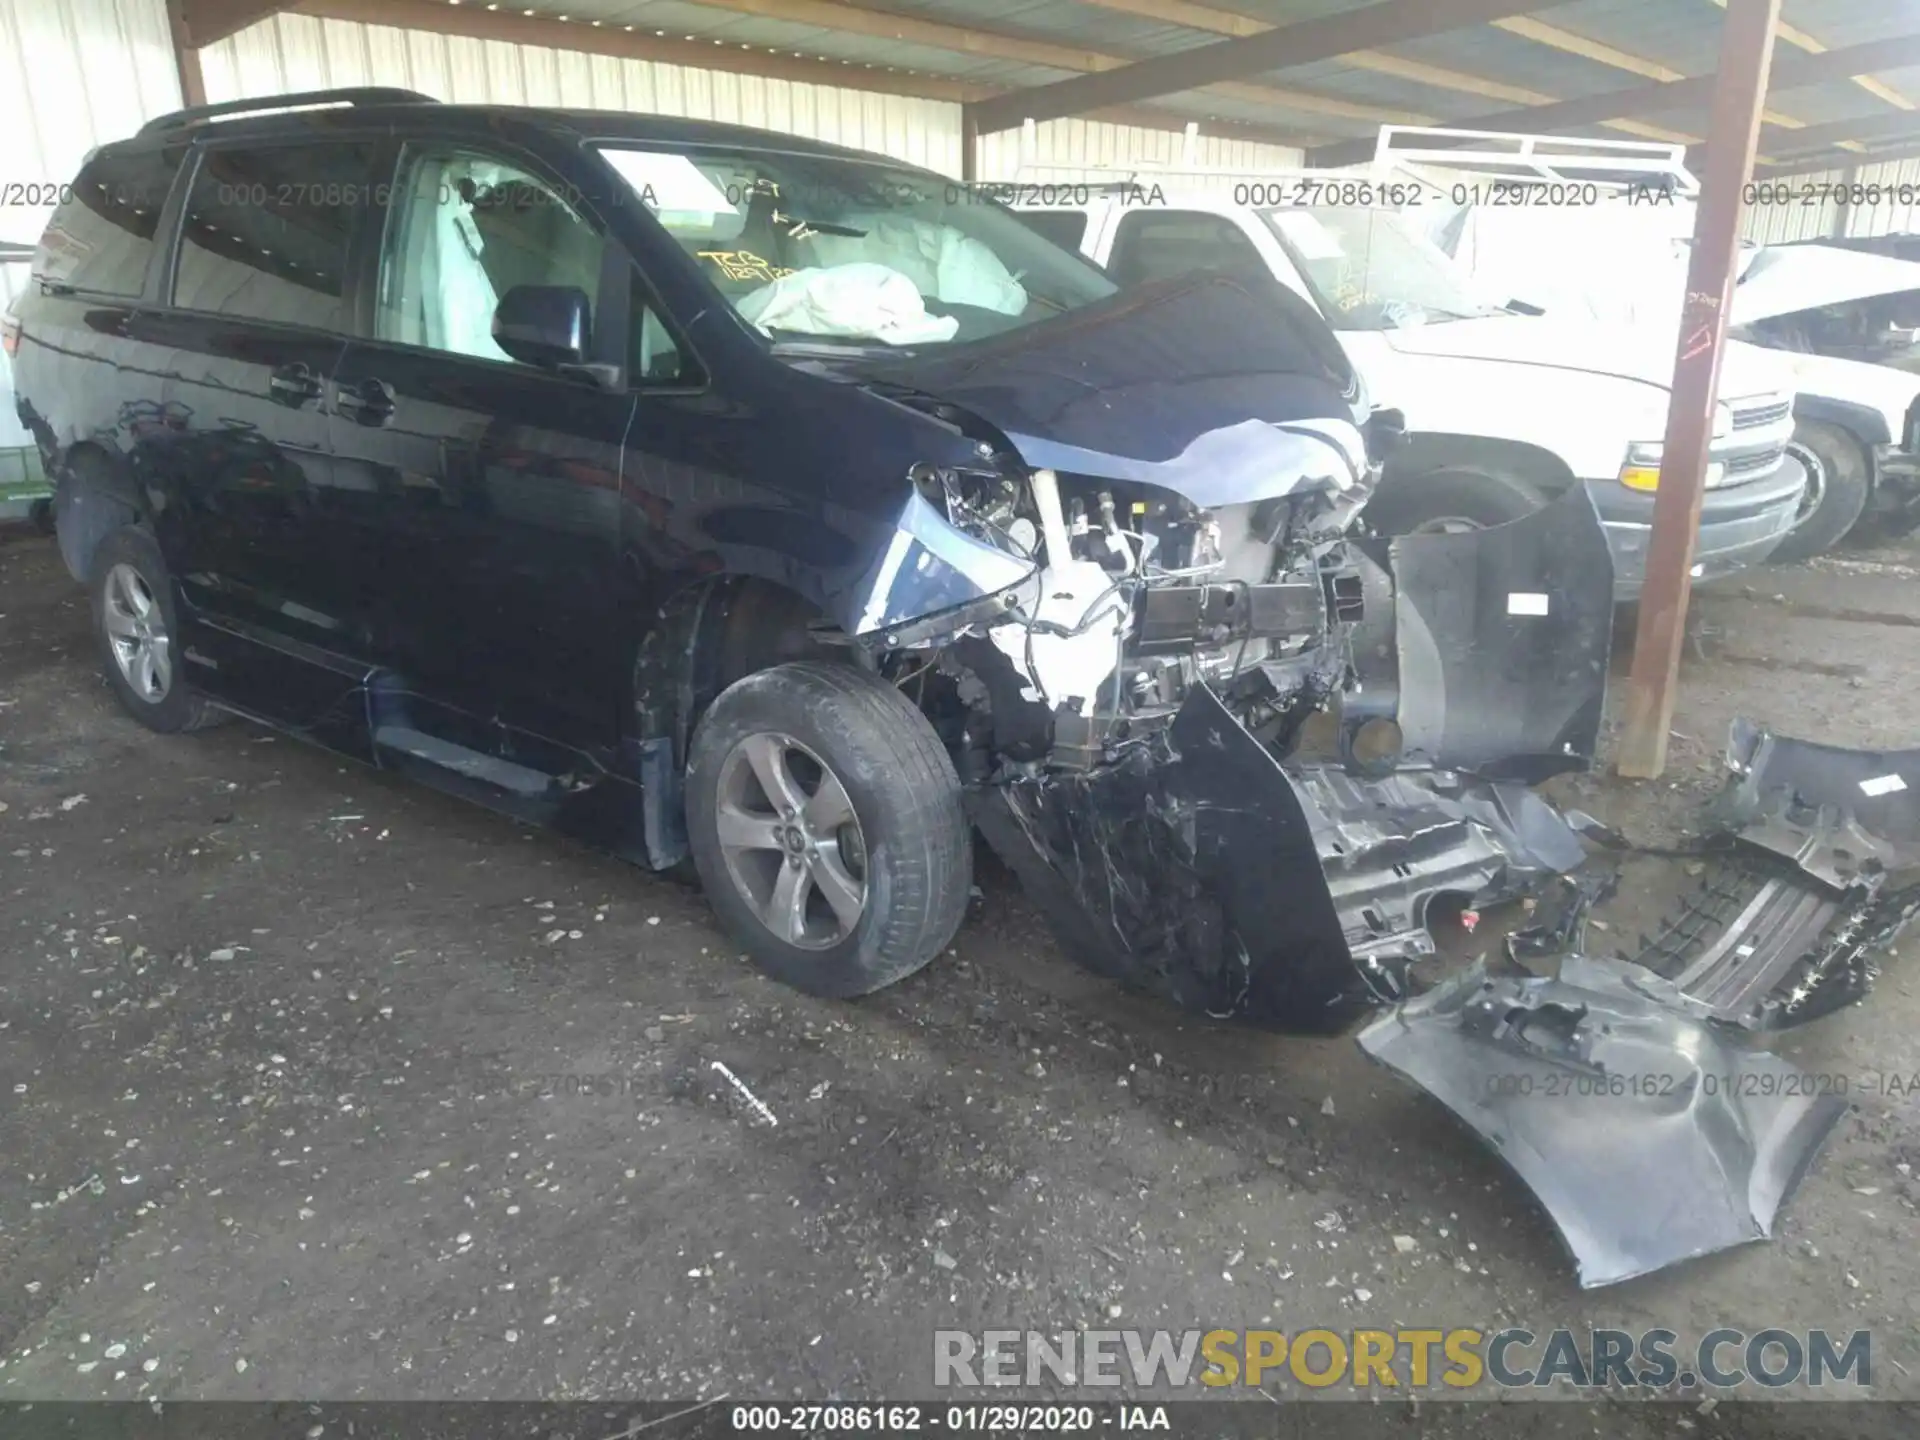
<point>1824,868</point>
<point>1649,1137</point>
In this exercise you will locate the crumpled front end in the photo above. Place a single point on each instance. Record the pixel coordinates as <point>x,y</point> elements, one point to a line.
<point>1198,867</point>
<point>1145,769</point>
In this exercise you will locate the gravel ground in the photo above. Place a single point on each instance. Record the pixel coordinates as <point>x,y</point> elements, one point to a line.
<point>279,1116</point>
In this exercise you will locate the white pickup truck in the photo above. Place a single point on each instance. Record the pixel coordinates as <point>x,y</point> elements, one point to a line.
<point>1856,417</point>
<point>1503,410</point>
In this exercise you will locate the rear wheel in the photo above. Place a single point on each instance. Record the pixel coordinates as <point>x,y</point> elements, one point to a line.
<point>135,620</point>
<point>825,821</point>
<point>1450,501</point>
<point>1838,486</point>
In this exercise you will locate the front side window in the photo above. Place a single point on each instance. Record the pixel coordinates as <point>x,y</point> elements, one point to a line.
<point>1372,269</point>
<point>267,228</point>
<point>825,250</point>
<point>102,235</point>
<point>464,229</point>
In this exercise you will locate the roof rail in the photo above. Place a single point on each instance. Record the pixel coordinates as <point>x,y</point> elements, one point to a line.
<point>304,100</point>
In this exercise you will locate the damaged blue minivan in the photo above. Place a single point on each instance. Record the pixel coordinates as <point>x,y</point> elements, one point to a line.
<point>719,496</point>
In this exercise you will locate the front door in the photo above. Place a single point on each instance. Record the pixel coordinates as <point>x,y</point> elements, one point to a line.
<point>488,489</point>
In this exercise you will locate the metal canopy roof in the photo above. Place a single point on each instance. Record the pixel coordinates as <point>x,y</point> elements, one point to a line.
<point>1322,74</point>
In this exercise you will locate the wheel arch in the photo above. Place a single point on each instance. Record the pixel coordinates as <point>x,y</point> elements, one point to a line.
<point>1424,452</point>
<point>1862,424</point>
<point>94,495</point>
<point>701,638</point>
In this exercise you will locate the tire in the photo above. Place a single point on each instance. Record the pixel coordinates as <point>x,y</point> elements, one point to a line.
<point>1450,499</point>
<point>1839,485</point>
<point>909,847</point>
<point>128,569</point>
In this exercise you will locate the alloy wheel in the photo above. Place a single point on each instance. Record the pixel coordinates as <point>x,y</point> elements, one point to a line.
<point>791,841</point>
<point>137,631</point>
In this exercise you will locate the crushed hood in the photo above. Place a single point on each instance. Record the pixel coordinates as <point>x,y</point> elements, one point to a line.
<point>1786,279</point>
<point>1218,391</point>
<point>1641,353</point>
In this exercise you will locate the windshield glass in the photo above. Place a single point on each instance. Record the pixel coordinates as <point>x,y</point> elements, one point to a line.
<point>826,250</point>
<point>1372,269</point>
<point>1614,261</point>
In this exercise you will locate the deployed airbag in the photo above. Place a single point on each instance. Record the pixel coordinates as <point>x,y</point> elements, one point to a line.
<point>863,301</point>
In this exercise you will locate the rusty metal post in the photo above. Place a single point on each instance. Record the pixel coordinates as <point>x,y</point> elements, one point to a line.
<point>1746,55</point>
<point>186,56</point>
<point>969,145</point>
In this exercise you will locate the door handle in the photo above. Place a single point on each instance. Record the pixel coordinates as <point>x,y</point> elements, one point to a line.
<point>294,385</point>
<point>369,402</point>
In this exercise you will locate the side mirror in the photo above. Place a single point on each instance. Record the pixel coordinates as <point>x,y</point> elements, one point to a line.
<point>545,325</point>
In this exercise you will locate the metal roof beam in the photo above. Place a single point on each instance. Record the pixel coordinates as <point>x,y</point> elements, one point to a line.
<point>635,42</point>
<point>1300,43</point>
<point>1417,72</point>
<point>207,22</point>
<point>865,20</point>
<point>1899,125</point>
<point>1834,160</point>
<point>1695,92</point>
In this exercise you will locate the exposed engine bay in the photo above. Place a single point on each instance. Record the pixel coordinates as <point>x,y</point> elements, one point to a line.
<point>1237,749</point>
<point>1135,719</point>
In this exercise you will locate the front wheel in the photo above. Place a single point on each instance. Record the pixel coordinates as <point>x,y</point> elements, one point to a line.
<point>825,820</point>
<point>1838,488</point>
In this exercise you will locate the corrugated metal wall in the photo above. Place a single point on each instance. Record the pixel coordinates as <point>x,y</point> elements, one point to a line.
<point>1807,212</point>
<point>297,52</point>
<point>1883,199</point>
<point>74,74</point>
<point>13,280</point>
<point>1890,199</point>
<point>1071,150</point>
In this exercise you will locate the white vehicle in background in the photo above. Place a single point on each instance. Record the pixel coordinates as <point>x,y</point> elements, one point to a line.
<point>1621,258</point>
<point>1503,410</point>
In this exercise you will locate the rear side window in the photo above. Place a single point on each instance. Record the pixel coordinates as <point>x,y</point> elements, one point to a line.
<point>102,235</point>
<point>1065,228</point>
<point>1160,244</point>
<point>266,231</point>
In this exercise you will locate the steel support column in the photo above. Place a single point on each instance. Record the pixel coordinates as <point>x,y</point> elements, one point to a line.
<point>186,57</point>
<point>1746,55</point>
<point>969,145</point>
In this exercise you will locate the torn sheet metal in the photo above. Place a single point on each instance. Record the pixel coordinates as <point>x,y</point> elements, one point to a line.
<point>1194,866</point>
<point>1503,639</point>
<point>1649,1137</point>
<point>1824,870</point>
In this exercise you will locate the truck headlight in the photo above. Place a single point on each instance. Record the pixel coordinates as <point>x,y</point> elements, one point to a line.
<point>1642,469</point>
